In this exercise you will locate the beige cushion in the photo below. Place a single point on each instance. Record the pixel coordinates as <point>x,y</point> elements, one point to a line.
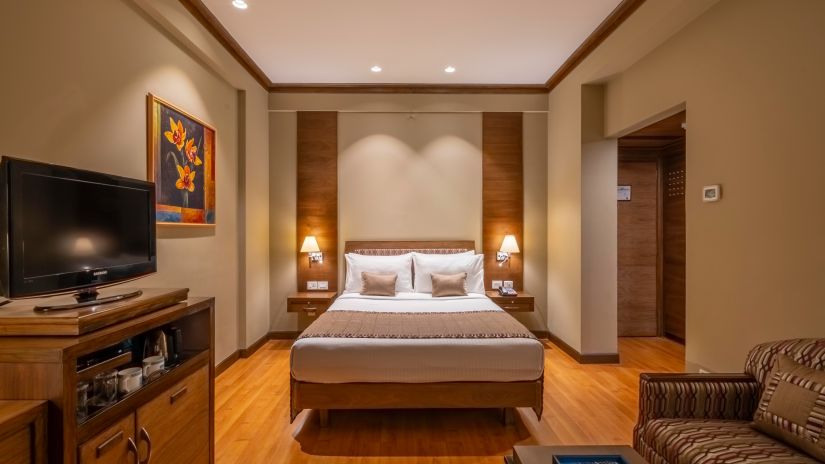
<point>378,284</point>
<point>449,284</point>
<point>792,408</point>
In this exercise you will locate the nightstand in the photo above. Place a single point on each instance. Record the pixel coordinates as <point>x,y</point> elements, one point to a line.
<point>309,303</point>
<point>522,303</point>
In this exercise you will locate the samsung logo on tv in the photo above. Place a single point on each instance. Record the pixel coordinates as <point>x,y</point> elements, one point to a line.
<point>99,273</point>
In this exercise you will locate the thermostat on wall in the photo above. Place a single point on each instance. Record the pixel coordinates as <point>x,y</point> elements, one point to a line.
<point>711,193</point>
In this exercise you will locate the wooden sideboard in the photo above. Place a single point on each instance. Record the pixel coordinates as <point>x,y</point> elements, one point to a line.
<point>170,418</point>
<point>23,432</point>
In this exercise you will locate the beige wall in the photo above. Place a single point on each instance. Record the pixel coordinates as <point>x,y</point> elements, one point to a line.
<point>649,26</point>
<point>535,217</point>
<point>751,73</point>
<point>283,143</point>
<point>253,158</point>
<point>756,259</point>
<point>403,178</point>
<point>409,177</point>
<point>77,97</point>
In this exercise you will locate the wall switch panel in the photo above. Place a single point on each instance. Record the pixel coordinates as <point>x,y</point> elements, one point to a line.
<point>508,284</point>
<point>312,285</point>
<point>496,284</point>
<point>323,285</point>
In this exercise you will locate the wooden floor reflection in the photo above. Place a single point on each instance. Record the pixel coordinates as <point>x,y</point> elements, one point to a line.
<point>583,404</point>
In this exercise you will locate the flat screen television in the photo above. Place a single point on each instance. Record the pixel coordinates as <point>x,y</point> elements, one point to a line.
<point>69,230</point>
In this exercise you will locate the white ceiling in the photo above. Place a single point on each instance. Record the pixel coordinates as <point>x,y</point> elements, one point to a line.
<point>337,41</point>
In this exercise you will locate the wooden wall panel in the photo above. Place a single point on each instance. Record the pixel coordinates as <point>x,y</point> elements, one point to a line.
<point>317,195</point>
<point>502,194</point>
<point>674,177</point>
<point>638,249</point>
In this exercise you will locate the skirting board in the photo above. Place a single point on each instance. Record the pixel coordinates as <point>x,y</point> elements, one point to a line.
<point>222,366</point>
<point>597,358</point>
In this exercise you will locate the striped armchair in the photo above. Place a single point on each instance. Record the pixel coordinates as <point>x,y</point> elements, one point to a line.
<point>705,418</point>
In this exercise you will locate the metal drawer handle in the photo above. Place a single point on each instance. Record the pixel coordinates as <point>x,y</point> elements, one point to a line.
<point>144,435</point>
<point>511,307</point>
<point>133,448</point>
<point>176,396</point>
<point>103,447</point>
<point>310,308</point>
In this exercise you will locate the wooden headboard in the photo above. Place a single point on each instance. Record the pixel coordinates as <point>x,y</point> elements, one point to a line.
<point>403,246</point>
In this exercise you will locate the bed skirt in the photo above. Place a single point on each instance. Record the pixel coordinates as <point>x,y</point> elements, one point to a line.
<point>443,395</point>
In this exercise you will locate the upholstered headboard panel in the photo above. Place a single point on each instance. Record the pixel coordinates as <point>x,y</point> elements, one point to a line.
<point>391,248</point>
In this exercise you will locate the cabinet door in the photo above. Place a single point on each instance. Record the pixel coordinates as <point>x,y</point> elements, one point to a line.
<point>115,445</point>
<point>175,425</point>
<point>15,448</point>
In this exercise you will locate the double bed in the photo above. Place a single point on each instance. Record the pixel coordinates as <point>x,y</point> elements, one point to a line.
<point>413,350</point>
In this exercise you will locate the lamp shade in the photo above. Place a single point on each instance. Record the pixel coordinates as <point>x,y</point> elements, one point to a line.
<point>310,245</point>
<point>509,245</point>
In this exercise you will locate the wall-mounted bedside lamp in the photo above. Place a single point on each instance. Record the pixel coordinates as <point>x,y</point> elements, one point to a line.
<point>310,247</point>
<point>508,245</point>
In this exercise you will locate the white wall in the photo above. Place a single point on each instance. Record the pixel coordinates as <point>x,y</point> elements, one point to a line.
<point>77,96</point>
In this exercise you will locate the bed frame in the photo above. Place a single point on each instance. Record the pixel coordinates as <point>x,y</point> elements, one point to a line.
<point>447,395</point>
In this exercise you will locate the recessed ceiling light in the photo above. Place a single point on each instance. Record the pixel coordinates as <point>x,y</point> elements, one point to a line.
<point>240,4</point>
<point>376,69</point>
<point>449,69</point>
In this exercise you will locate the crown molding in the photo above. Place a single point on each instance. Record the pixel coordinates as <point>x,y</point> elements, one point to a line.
<point>208,20</point>
<point>622,11</point>
<point>410,88</point>
<point>619,14</point>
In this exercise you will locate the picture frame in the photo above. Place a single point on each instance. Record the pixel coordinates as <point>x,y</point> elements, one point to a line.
<point>711,193</point>
<point>181,162</point>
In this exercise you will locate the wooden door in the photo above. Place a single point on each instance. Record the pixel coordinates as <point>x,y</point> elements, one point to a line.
<point>176,423</point>
<point>638,249</point>
<point>673,247</point>
<point>115,445</point>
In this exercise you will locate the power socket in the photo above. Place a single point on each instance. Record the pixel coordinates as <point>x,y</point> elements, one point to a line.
<point>496,284</point>
<point>323,285</point>
<point>508,284</point>
<point>312,285</point>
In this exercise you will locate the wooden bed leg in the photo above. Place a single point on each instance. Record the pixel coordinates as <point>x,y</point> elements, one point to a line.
<point>508,416</point>
<point>323,415</point>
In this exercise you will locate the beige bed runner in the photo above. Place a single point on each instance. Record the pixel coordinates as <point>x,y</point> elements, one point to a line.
<point>368,324</point>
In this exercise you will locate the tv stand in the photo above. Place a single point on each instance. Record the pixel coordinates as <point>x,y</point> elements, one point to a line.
<point>88,297</point>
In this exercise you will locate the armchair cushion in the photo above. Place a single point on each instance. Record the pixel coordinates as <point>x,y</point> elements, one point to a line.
<point>792,408</point>
<point>709,441</point>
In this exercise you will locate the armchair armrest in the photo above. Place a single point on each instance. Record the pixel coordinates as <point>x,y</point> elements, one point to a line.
<point>697,396</point>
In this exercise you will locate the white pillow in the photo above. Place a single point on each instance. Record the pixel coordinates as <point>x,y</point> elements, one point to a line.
<point>400,264</point>
<point>470,263</point>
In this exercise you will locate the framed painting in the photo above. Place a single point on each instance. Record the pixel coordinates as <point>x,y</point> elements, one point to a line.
<point>181,162</point>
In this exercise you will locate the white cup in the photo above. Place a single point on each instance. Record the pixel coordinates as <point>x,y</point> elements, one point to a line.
<point>152,365</point>
<point>129,380</point>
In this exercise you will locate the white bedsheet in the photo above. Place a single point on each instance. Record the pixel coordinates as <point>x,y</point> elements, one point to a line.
<point>341,360</point>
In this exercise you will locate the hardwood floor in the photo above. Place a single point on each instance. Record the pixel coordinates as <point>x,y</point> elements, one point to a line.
<point>583,404</point>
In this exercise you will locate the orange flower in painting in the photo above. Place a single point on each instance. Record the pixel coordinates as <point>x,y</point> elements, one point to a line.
<point>187,179</point>
<point>177,135</point>
<point>192,152</point>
